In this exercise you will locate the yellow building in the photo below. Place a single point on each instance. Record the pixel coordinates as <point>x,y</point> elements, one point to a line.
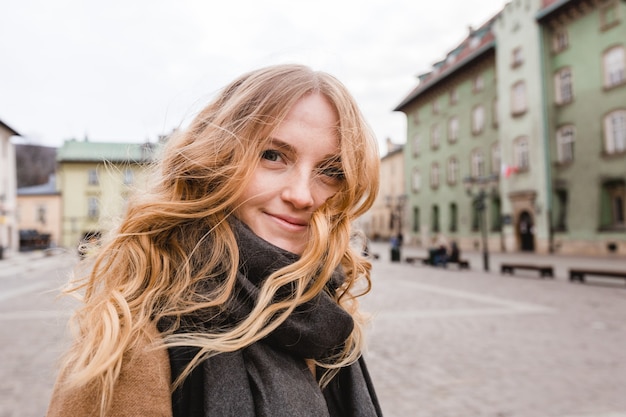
<point>388,213</point>
<point>96,179</point>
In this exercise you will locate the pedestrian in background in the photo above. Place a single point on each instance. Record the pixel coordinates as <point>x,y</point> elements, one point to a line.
<point>230,287</point>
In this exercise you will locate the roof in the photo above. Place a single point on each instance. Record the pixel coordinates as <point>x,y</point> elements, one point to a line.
<point>549,6</point>
<point>43,189</point>
<point>85,151</point>
<point>9,128</point>
<point>477,43</point>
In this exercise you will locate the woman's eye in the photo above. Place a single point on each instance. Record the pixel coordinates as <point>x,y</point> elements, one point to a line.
<point>271,155</point>
<point>334,172</point>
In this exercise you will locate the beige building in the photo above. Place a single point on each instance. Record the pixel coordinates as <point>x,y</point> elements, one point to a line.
<point>388,214</point>
<point>8,183</point>
<point>95,180</point>
<point>39,209</point>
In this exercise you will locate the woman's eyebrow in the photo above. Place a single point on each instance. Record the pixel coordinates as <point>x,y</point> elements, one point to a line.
<point>282,145</point>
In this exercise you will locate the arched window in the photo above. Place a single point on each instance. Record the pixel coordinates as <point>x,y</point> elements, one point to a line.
<point>521,154</point>
<point>478,119</point>
<point>614,61</point>
<point>453,171</point>
<point>563,86</point>
<point>615,132</point>
<point>453,129</point>
<point>434,175</point>
<point>416,180</point>
<point>565,144</point>
<point>477,163</point>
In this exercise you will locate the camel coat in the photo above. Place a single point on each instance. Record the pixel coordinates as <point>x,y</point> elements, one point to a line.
<point>143,389</point>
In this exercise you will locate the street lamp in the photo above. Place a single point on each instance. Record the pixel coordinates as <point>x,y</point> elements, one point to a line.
<point>479,202</point>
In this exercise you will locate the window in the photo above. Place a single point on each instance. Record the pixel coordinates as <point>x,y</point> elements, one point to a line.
<point>478,83</point>
<point>565,144</point>
<point>453,129</point>
<point>416,219</point>
<point>614,202</point>
<point>496,214</point>
<point>128,176</point>
<point>478,119</point>
<point>517,58</point>
<point>496,159</point>
<point>93,208</point>
<point>521,154</point>
<point>435,218</point>
<point>453,171</point>
<point>435,136</point>
<point>434,175</point>
<point>560,40</point>
<point>475,216</point>
<point>436,106</point>
<point>563,88</point>
<point>416,118</point>
<point>609,15</point>
<point>453,218</point>
<point>416,180</point>
<point>41,214</point>
<point>92,177</point>
<point>614,63</point>
<point>477,163</point>
<point>615,132</point>
<point>416,144</point>
<point>494,110</point>
<point>518,97</point>
<point>454,96</point>
<point>560,224</point>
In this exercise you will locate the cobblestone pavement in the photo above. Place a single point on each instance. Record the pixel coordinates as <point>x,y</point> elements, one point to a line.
<point>442,343</point>
<point>450,343</point>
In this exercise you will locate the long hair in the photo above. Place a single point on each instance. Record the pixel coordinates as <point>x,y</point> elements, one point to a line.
<point>175,237</point>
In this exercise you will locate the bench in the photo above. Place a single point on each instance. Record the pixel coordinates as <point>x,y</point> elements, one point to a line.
<point>414,259</point>
<point>579,274</point>
<point>462,263</point>
<point>544,270</point>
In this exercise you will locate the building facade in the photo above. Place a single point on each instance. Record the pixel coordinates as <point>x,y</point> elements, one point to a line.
<point>39,209</point>
<point>584,54</point>
<point>387,217</point>
<point>9,239</point>
<point>452,137</point>
<point>530,111</point>
<point>96,179</point>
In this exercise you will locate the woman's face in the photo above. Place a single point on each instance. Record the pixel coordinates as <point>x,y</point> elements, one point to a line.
<point>297,172</point>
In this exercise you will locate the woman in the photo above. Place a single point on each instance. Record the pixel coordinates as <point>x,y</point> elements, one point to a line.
<point>230,288</point>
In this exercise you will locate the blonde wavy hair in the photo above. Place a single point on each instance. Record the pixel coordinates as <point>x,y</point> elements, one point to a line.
<point>176,236</point>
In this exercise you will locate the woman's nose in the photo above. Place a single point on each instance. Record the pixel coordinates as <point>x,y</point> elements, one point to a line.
<point>298,190</point>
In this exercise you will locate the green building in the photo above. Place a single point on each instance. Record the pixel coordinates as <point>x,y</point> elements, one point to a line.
<point>528,113</point>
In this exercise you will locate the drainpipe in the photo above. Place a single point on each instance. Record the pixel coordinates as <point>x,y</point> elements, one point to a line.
<point>546,138</point>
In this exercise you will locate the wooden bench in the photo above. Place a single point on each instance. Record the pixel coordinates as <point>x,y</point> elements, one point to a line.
<point>579,274</point>
<point>414,259</point>
<point>462,263</point>
<point>544,270</point>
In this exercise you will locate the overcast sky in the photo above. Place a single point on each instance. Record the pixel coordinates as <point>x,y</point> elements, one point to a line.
<point>130,70</point>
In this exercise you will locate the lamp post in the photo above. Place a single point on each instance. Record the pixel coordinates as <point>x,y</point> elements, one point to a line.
<point>479,202</point>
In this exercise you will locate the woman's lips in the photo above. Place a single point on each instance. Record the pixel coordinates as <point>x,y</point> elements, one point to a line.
<point>289,221</point>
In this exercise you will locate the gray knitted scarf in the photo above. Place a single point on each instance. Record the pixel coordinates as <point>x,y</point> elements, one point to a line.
<point>270,378</point>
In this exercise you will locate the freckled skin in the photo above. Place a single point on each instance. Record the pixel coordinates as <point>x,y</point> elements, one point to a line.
<point>294,176</point>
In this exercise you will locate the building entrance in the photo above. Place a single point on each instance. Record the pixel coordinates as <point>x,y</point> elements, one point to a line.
<point>526,230</point>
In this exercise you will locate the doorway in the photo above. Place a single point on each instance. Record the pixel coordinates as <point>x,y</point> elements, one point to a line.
<point>526,230</point>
